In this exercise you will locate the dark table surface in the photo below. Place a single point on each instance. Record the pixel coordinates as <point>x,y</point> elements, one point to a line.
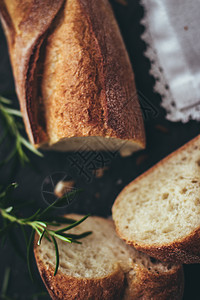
<point>98,193</point>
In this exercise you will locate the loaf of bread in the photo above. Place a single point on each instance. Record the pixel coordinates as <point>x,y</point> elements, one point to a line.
<point>73,75</point>
<point>159,212</point>
<point>103,267</point>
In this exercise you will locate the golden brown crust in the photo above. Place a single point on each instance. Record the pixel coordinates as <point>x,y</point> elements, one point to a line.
<point>149,285</point>
<point>185,250</point>
<point>25,27</point>
<point>121,107</point>
<point>115,112</point>
<point>141,284</point>
<point>157,165</point>
<point>64,287</point>
<point>146,285</point>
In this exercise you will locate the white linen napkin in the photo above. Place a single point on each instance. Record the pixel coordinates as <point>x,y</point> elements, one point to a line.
<point>172,35</point>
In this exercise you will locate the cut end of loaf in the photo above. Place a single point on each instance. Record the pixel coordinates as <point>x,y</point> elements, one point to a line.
<point>99,254</point>
<point>162,206</point>
<point>72,73</point>
<point>96,143</point>
<point>103,259</point>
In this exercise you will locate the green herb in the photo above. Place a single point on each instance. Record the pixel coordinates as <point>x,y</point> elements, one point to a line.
<point>5,284</point>
<point>13,128</point>
<point>39,222</point>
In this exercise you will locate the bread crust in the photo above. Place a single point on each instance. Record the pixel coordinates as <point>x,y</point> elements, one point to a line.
<point>65,287</point>
<point>25,27</point>
<point>121,110</point>
<point>148,285</point>
<point>184,250</point>
<point>144,284</point>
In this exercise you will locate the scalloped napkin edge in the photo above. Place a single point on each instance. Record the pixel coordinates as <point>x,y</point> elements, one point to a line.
<point>173,48</point>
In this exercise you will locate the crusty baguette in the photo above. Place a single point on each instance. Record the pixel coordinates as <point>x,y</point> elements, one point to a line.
<point>25,24</point>
<point>159,212</point>
<point>73,75</point>
<point>105,268</point>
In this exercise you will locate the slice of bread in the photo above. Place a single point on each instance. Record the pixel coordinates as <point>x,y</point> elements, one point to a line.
<point>104,267</point>
<point>159,212</point>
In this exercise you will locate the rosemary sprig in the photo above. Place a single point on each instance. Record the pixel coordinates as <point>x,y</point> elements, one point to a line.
<point>39,222</point>
<point>13,127</point>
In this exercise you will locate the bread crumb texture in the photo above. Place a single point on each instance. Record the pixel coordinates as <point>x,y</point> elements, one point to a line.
<point>104,258</point>
<point>98,255</point>
<point>164,204</point>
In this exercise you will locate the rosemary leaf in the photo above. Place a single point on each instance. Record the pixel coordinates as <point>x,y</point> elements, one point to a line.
<point>60,236</point>
<point>76,242</point>
<point>77,236</point>
<point>72,225</point>
<point>13,112</point>
<point>46,235</point>
<point>38,224</point>
<point>13,127</point>
<point>30,146</point>
<point>62,220</point>
<point>5,101</point>
<point>29,251</point>
<point>8,189</point>
<point>52,224</point>
<point>5,282</point>
<point>41,236</point>
<point>37,230</point>
<point>59,202</point>
<point>57,255</point>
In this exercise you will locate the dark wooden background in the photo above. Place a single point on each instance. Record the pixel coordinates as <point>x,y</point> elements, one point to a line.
<point>99,193</point>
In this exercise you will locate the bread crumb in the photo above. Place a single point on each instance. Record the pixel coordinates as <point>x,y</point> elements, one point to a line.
<point>100,172</point>
<point>62,187</point>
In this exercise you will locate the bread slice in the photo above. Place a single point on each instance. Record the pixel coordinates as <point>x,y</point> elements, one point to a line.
<point>159,212</point>
<point>105,268</point>
<point>73,75</point>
